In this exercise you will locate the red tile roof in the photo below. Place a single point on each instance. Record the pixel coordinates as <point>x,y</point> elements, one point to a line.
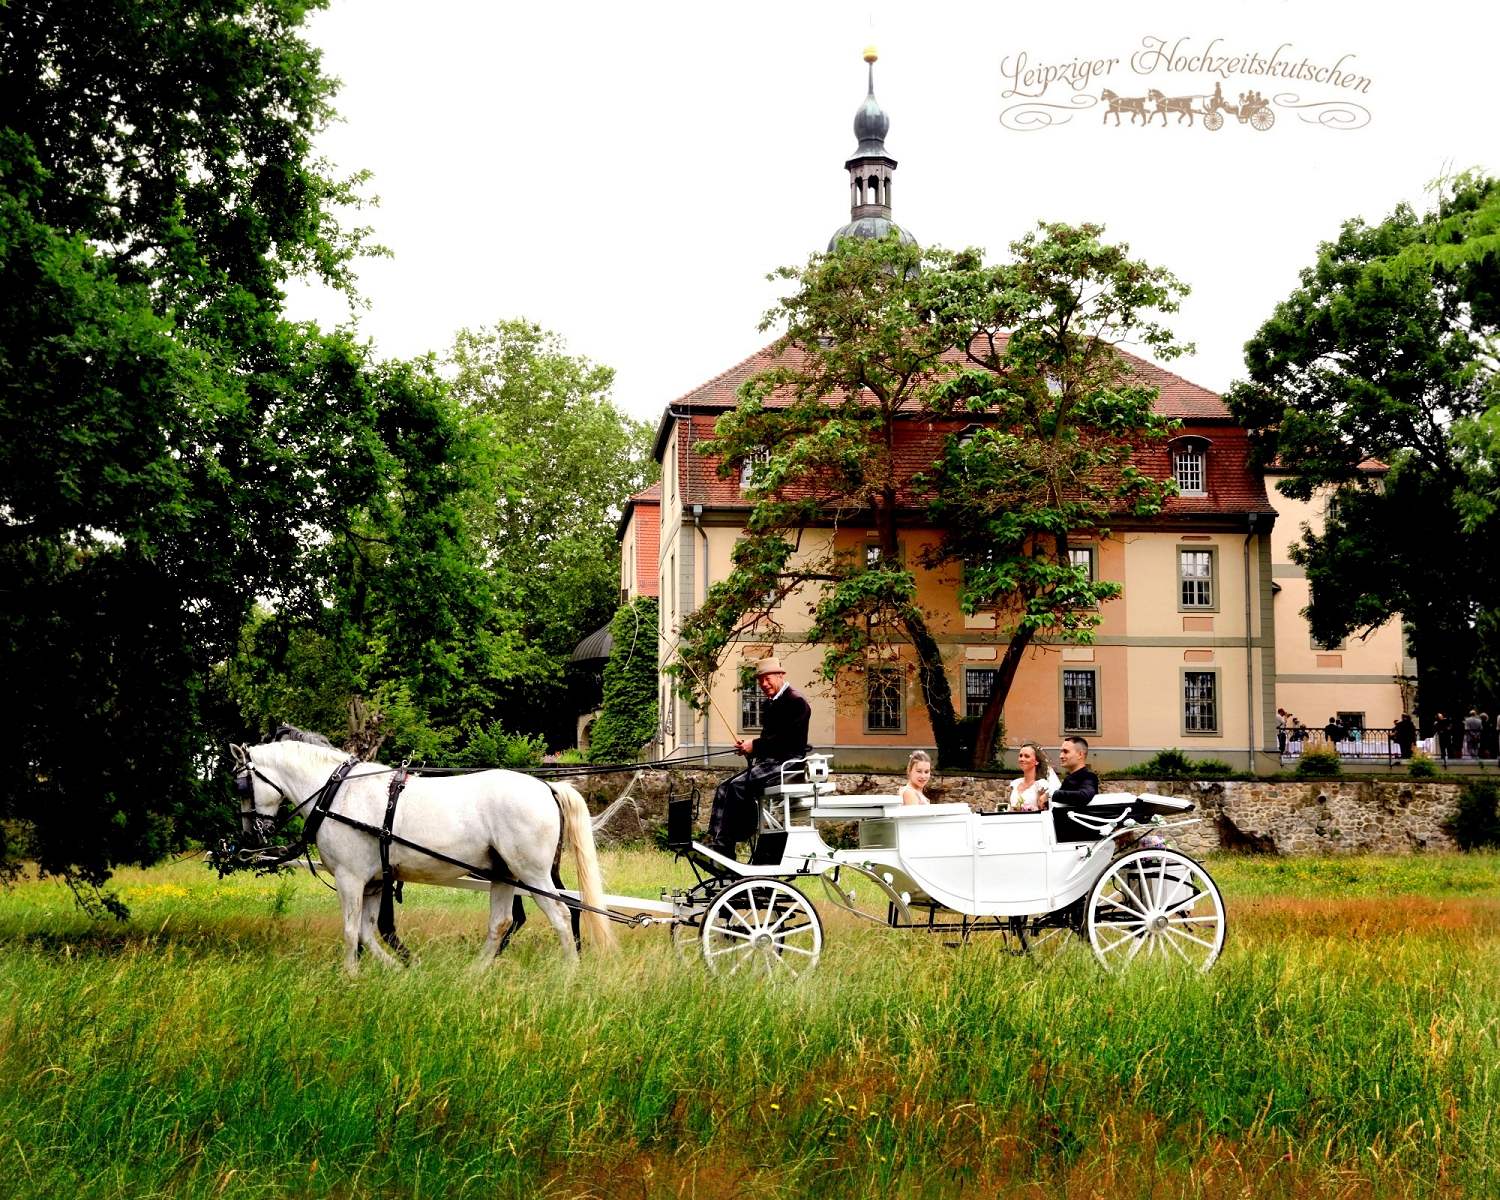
<point>1178,397</point>
<point>1232,485</point>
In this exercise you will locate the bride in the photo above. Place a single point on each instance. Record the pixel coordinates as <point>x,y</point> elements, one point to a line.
<point>1038,780</point>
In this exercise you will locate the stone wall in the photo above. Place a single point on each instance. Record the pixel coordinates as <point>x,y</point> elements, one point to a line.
<point>1339,816</point>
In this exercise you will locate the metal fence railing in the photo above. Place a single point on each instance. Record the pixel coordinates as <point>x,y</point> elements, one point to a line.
<point>1366,745</point>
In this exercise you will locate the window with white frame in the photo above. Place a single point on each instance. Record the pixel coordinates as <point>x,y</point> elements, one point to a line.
<point>874,556</point>
<point>1200,702</point>
<point>1195,575</point>
<point>752,702</point>
<point>884,710</point>
<point>667,711</point>
<point>1080,699</point>
<point>979,682</point>
<point>1082,557</point>
<point>757,460</point>
<point>1189,469</point>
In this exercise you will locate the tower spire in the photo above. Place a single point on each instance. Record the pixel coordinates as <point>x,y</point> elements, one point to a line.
<point>870,170</point>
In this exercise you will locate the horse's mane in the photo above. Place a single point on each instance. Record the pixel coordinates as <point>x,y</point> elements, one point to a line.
<point>308,752</point>
<point>290,733</point>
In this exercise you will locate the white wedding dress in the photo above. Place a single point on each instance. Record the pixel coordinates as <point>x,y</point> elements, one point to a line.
<point>1030,799</point>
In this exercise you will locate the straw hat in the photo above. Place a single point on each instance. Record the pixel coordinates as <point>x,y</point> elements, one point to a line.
<point>769,666</point>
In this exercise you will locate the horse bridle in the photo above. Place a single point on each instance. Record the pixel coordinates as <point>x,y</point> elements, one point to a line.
<point>253,825</point>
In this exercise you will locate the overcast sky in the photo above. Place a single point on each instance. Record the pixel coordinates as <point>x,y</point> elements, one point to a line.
<point>626,174</point>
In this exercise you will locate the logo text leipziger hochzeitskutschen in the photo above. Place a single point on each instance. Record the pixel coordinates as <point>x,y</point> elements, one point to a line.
<point>1186,83</point>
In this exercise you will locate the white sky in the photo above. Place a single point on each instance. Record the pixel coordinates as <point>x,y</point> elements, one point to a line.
<point>626,174</point>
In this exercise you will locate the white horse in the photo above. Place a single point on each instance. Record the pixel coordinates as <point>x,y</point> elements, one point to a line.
<point>484,820</point>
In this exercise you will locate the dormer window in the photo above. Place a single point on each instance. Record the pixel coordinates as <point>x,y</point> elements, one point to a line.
<point>1190,466</point>
<point>757,460</point>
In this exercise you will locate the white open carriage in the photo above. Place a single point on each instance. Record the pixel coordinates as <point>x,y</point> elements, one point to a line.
<point>1102,872</point>
<point>1040,880</point>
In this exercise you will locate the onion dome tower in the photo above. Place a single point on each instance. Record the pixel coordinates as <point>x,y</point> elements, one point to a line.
<point>870,171</point>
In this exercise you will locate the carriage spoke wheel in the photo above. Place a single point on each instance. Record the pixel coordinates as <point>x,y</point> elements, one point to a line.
<point>1213,120</point>
<point>1262,119</point>
<point>761,927</point>
<point>1156,904</point>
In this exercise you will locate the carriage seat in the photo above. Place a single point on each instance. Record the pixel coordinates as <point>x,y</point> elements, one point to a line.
<point>803,780</point>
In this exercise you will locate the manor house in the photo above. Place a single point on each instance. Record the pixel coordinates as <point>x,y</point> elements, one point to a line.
<point>1203,646</point>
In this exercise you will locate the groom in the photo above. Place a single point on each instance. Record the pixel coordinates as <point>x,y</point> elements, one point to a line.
<point>1080,784</point>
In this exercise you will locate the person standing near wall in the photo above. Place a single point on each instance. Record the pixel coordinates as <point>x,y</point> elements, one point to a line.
<point>1404,734</point>
<point>1473,727</point>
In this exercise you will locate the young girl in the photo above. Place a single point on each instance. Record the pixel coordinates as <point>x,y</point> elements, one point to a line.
<point>918,772</point>
<point>1038,780</point>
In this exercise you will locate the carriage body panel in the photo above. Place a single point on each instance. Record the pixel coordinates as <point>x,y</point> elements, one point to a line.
<point>946,855</point>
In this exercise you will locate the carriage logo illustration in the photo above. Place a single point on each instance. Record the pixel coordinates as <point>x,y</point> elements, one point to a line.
<point>1252,108</point>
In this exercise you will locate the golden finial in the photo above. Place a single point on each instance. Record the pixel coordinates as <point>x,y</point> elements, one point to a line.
<point>870,55</point>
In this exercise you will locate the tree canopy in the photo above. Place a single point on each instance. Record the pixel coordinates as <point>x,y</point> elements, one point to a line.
<point>878,333</point>
<point>1374,383</point>
<point>450,603</point>
<point>628,717</point>
<point>166,438</point>
<point>558,459</point>
<point>213,519</point>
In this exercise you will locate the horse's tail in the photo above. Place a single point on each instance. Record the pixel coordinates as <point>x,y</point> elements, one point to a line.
<point>578,835</point>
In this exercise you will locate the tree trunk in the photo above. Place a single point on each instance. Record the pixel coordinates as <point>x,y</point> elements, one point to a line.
<point>936,693</point>
<point>989,721</point>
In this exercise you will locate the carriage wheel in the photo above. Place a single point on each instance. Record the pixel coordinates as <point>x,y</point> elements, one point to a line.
<point>1156,904</point>
<point>1262,119</point>
<point>1213,120</point>
<point>762,926</point>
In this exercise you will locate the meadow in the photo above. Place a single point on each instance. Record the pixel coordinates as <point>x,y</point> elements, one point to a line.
<point>1346,1045</point>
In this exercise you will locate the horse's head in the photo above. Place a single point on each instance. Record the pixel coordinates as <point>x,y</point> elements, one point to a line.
<point>1108,95</point>
<point>1156,95</point>
<point>260,798</point>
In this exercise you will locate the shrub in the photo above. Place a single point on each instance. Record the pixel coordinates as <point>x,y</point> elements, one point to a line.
<point>1175,764</point>
<point>492,746</point>
<point>1319,762</point>
<point>1422,766</point>
<point>628,719</point>
<point>1476,823</point>
<point>1165,764</point>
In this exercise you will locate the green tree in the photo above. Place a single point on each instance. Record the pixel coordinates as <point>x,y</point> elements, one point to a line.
<point>556,460</point>
<point>1063,413</point>
<point>399,637</point>
<point>878,333</point>
<point>170,446</point>
<point>628,720</point>
<point>860,349</point>
<point>1385,355</point>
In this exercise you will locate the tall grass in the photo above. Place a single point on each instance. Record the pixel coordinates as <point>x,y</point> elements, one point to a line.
<point>1347,1044</point>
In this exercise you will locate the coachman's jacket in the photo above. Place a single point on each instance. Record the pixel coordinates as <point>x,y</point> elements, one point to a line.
<point>783,731</point>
